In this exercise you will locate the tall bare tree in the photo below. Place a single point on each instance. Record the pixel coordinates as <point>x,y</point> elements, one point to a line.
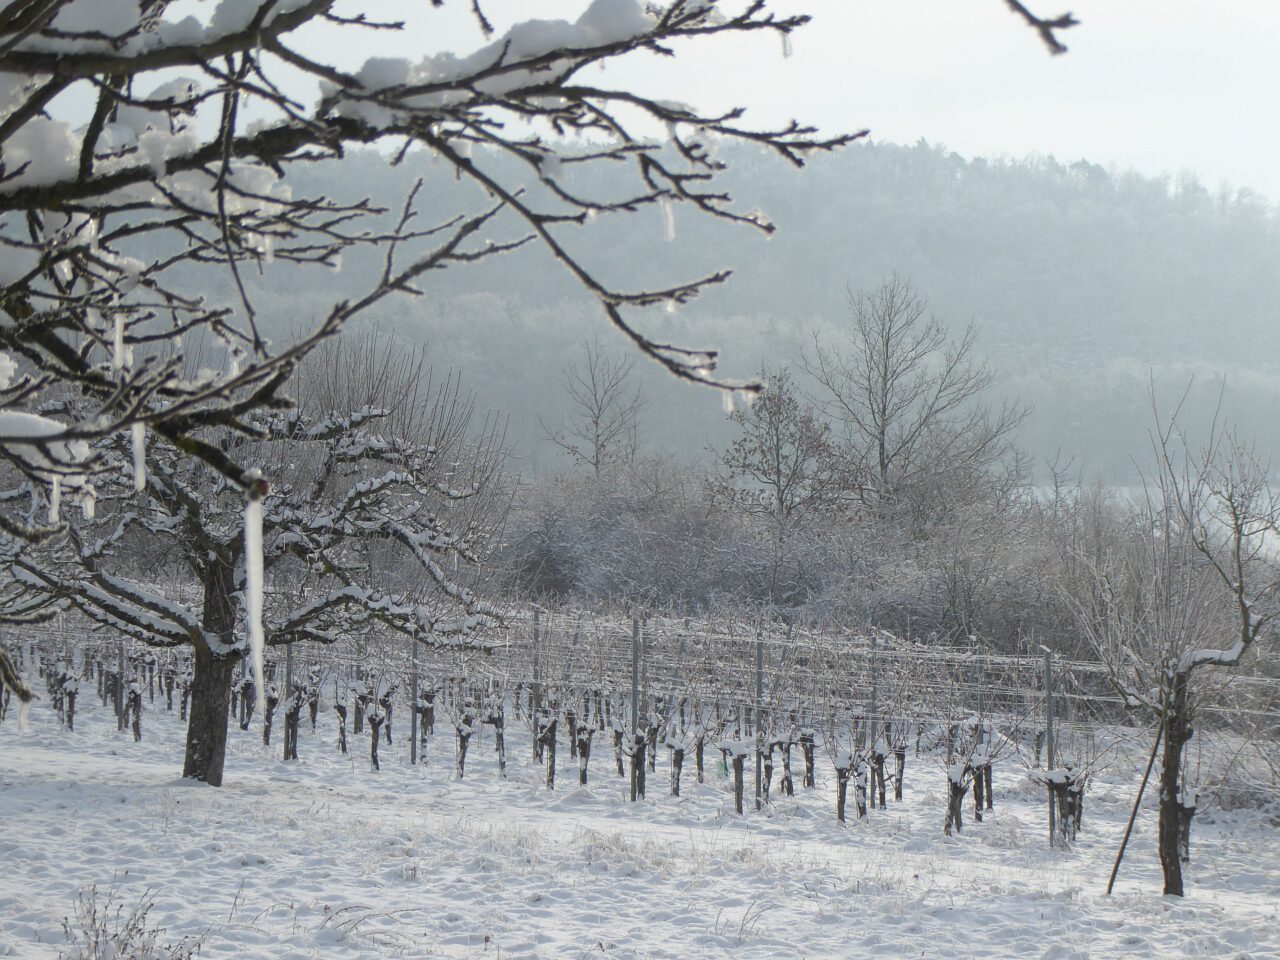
<point>605,405</point>
<point>908,397</point>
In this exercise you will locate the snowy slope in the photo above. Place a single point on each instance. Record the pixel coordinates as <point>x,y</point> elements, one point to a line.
<point>321,858</point>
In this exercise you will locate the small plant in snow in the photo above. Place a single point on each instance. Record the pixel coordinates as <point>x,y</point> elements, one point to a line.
<point>105,928</point>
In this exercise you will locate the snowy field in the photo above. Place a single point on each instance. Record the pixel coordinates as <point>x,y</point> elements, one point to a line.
<point>322,858</point>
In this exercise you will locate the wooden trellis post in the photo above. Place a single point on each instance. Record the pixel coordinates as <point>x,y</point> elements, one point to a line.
<point>635,704</point>
<point>759,715</point>
<point>537,679</point>
<point>413,700</point>
<point>1048,737</point>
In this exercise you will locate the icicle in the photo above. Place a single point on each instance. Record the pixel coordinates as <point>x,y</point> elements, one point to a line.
<point>786,46</point>
<point>669,219</point>
<point>254,577</point>
<point>55,499</point>
<point>727,402</point>
<point>139,456</point>
<point>117,347</point>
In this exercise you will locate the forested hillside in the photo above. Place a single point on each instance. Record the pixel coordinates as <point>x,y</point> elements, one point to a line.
<point>1082,281</point>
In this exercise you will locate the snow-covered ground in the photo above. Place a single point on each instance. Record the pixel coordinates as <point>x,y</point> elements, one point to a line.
<point>322,858</point>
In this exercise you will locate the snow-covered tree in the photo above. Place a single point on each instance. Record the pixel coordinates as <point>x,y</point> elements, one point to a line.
<point>140,139</point>
<point>1188,586</point>
<point>383,507</point>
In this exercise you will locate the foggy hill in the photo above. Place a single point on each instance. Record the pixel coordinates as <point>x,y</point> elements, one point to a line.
<point>1083,281</point>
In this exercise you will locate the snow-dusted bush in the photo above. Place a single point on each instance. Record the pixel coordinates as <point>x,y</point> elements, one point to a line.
<point>106,928</point>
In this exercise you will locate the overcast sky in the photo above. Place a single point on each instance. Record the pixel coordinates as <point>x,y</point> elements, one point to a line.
<point>1159,85</point>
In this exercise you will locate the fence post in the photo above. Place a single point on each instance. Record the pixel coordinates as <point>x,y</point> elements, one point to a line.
<point>413,700</point>
<point>646,692</point>
<point>759,716</point>
<point>120,687</point>
<point>875,685</point>
<point>635,698</point>
<point>982,691</point>
<point>1048,738</point>
<point>537,675</point>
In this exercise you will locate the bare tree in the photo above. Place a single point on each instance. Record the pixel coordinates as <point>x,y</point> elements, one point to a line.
<point>605,408</point>
<point>1186,594</point>
<point>784,462</point>
<point>785,452</point>
<point>906,395</point>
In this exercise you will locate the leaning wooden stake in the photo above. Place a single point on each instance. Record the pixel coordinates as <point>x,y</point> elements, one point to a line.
<point>1134,815</point>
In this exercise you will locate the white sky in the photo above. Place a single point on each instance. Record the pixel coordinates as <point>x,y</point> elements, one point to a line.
<point>1159,85</point>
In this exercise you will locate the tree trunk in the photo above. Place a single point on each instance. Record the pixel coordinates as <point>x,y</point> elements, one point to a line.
<point>1177,728</point>
<point>768,772</point>
<point>464,729</point>
<point>499,721</point>
<point>211,680</point>
<point>375,724</point>
<point>585,733</point>
<point>877,779</point>
<point>978,793</point>
<point>248,697</point>
<point>341,710</point>
<point>548,737</point>
<point>956,789</point>
<point>207,724</point>
<point>637,767</point>
<point>387,703</point>
<point>292,718</point>
<point>268,717</point>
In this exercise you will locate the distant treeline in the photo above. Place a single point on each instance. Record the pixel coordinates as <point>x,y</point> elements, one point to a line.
<point>1084,282</point>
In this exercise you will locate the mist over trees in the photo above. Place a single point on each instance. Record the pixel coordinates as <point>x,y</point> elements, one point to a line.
<point>1069,290</point>
<point>1080,282</point>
